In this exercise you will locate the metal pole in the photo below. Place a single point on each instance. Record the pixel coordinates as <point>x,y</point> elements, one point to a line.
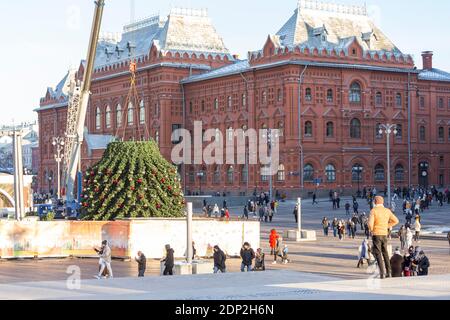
<point>58,177</point>
<point>388,165</point>
<point>189,252</point>
<point>409,133</point>
<point>269,137</point>
<point>300,127</point>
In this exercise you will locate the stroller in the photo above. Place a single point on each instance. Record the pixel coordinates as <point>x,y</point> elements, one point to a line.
<point>260,264</point>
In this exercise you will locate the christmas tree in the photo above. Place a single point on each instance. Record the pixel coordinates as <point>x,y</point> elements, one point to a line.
<point>132,180</point>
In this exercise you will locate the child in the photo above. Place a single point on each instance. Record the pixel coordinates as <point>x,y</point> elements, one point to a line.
<point>347,208</point>
<point>259,260</point>
<point>284,256</point>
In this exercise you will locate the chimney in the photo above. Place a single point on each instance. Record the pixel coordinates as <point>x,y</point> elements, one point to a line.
<point>427,58</point>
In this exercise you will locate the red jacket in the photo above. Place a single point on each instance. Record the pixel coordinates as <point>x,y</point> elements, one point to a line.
<point>273,239</point>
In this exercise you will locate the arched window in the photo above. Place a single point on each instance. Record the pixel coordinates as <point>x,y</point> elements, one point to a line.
<point>308,129</point>
<point>441,133</point>
<point>308,173</point>
<point>399,129</point>
<point>355,129</point>
<point>281,174</point>
<point>230,103</point>
<point>98,119</point>
<point>108,117</point>
<point>399,173</point>
<point>216,104</point>
<point>378,135</point>
<point>280,95</point>
<point>357,171</point>
<point>216,178</point>
<point>264,97</point>
<point>217,135</point>
<point>265,171</point>
<point>378,99</point>
<point>379,173</point>
<point>308,94</point>
<point>355,92</point>
<point>330,95</point>
<point>141,112</point>
<point>398,99</point>
<point>244,174</point>
<point>119,115</point>
<point>230,134</point>
<point>130,116</point>
<point>330,129</point>
<point>422,134</point>
<point>330,172</point>
<point>280,128</point>
<point>157,137</point>
<point>230,175</point>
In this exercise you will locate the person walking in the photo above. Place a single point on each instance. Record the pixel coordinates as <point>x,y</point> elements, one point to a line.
<point>271,211</point>
<point>142,263</point>
<point>261,213</point>
<point>397,264</point>
<point>273,241</point>
<point>417,229</point>
<point>380,220</point>
<point>314,199</point>
<point>334,225</point>
<point>448,238</point>
<point>216,210</point>
<point>106,257</point>
<point>247,254</point>
<point>363,253</point>
<point>355,207</point>
<point>325,226</point>
<point>295,213</point>
<point>245,216</point>
<point>347,208</point>
<point>219,260</point>
<point>409,238</point>
<point>169,261</point>
<point>402,237</point>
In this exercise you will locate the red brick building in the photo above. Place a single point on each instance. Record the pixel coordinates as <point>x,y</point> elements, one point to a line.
<point>327,79</point>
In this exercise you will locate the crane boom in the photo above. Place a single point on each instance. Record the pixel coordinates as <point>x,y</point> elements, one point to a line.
<point>78,102</point>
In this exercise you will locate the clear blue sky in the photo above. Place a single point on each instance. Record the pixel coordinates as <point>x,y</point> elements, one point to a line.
<point>42,39</point>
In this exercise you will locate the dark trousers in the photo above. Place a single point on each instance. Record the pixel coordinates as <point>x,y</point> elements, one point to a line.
<point>141,273</point>
<point>168,271</point>
<point>380,252</point>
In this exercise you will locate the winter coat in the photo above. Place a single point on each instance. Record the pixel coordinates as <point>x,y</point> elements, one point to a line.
<point>364,251</point>
<point>273,239</point>
<point>380,220</point>
<point>397,264</point>
<point>169,260</point>
<point>219,259</point>
<point>142,262</point>
<point>247,256</point>
<point>423,266</point>
<point>106,254</point>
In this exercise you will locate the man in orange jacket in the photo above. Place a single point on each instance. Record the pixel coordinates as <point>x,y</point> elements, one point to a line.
<point>381,219</point>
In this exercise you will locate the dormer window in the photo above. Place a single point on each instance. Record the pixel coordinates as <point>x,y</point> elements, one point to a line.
<point>119,51</point>
<point>130,47</point>
<point>321,33</point>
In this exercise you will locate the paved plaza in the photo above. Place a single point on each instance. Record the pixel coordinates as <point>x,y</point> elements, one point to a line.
<point>327,260</point>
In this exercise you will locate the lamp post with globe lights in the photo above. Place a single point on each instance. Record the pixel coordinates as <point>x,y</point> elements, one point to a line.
<point>388,129</point>
<point>58,143</point>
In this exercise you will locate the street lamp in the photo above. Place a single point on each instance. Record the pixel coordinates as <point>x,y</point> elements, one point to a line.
<point>200,176</point>
<point>270,135</point>
<point>58,142</point>
<point>388,129</point>
<point>358,169</point>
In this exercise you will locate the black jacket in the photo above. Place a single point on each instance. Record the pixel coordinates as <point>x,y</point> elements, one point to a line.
<point>397,263</point>
<point>142,262</point>
<point>219,259</point>
<point>247,256</point>
<point>423,266</point>
<point>169,260</point>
